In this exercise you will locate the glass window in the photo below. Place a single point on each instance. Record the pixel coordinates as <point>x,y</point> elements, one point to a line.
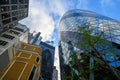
<point>37,59</point>
<point>13,1</point>
<point>14,13</point>
<point>26,1</point>
<point>6,21</point>
<point>2,2</point>
<point>14,18</point>
<point>21,1</point>
<point>5,15</point>
<point>32,73</point>
<point>14,7</point>
<point>8,36</point>
<point>3,43</point>
<point>21,6</point>
<point>26,6</point>
<point>5,8</point>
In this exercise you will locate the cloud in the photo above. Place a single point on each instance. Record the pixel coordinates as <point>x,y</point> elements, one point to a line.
<point>39,18</point>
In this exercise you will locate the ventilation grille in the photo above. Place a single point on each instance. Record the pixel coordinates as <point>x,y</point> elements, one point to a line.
<point>3,43</point>
<point>14,32</point>
<point>8,36</point>
<point>16,28</point>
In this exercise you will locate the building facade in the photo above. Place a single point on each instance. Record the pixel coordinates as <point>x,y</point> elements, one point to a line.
<point>48,60</point>
<point>10,42</point>
<point>11,11</point>
<point>25,65</point>
<point>69,25</point>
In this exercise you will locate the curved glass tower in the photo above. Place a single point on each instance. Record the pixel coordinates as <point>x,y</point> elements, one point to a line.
<point>71,22</point>
<point>72,19</point>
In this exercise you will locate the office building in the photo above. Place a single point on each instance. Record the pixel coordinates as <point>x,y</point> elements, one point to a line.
<point>11,11</point>
<point>25,65</point>
<point>47,56</point>
<point>69,25</point>
<point>48,60</point>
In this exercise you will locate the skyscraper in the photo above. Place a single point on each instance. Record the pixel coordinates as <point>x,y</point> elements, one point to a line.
<point>11,11</point>
<point>69,37</point>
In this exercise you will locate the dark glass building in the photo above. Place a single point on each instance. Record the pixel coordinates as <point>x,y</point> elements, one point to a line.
<point>11,11</point>
<point>68,36</point>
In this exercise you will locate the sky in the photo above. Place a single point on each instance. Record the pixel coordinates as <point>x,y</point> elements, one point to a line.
<point>44,15</point>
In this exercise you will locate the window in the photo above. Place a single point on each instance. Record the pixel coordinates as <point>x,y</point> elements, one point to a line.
<point>5,15</point>
<point>6,21</point>
<point>14,13</point>
<point>26,1</point>
<point>14,1</point>
<point>14,7</point>
<point>21,1</point>
<point>26,6</point>
<point>32,73</point>
<point>14,18</point>
<point>14,32</point>
<point>21,6</point>
<point>5,28</point>
<point>37,59</point>
<point>8,36</point>
<point>3,43</point>
<point>5,8</point>
<point>2,2</point>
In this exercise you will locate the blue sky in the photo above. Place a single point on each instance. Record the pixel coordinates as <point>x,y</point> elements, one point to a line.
<point>44,15</point>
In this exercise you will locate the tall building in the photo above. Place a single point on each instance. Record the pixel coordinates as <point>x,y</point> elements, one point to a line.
<point>11,11</point>
<point>48,60</point>
<point>47,56</point>
<point>69,37</point>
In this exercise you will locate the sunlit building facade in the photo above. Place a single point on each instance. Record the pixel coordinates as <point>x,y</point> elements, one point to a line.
<point>11,11</point>
<point>25,64</point>
<point>69,25</point>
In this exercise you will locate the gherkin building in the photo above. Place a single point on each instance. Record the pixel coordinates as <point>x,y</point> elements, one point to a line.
<point>71,22</point>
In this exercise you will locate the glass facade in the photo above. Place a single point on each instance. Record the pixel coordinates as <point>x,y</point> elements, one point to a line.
<point>75,18</point>
<point>71,22</point>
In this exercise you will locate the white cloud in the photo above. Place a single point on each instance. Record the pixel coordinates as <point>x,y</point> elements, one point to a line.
<point>39,18</point>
